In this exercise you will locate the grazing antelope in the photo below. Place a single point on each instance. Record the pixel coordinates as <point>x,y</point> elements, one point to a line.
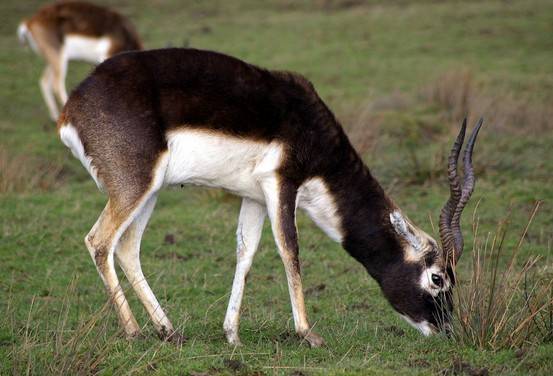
<point>74,30</point>
<point>143,120</point>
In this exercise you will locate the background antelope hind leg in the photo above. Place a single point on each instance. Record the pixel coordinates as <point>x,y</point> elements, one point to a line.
<point>60,79</point>
<point>280,197</point>
<point>248,234</point>
<point>47,90</point>
<point>50,47</point>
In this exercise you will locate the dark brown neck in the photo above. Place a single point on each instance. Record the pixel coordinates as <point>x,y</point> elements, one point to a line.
<point>361,202</point>
<point>364,208</point>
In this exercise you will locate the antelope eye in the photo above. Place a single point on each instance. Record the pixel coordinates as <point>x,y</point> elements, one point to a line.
<point>437,280</point>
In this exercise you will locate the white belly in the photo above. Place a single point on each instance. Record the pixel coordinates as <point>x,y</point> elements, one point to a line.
<point>213,160</point>
<point>237,165</point>
<point>93,50</point>
<point>315,198</point>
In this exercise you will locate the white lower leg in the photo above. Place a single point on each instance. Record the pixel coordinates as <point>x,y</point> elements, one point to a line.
<point>128,256</point>
<point>109,277</point>
<point>146,296</point>
<point>250,227</point>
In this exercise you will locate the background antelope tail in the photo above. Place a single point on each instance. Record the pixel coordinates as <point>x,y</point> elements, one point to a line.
<point>25,36</point>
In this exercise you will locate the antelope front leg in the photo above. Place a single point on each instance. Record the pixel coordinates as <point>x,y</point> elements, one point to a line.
<point>248,233</point>
<point>280,196</point>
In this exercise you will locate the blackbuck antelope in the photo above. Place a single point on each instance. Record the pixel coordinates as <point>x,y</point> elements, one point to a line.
<point>74,30</point>
<point>143,120</point>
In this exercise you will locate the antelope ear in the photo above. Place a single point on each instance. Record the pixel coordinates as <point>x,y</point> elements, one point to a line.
<point>404,230</point>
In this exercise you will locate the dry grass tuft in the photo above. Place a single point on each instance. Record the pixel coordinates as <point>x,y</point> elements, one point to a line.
<point>416,123</point>
<point>457,94</point>
<point>21,173</point>
<point>452,93</point>
<point>363,133</point>
<point>508,306</point>
<point>364,127</point>
<point>453,96</point>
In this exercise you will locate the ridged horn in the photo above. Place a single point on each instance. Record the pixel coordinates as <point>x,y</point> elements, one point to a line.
<point>450,216</point>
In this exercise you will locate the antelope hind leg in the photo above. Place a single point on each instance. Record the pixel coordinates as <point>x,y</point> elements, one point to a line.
<point>128,257</point>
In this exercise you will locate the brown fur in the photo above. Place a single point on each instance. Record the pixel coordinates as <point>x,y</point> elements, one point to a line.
<point>81,18</point>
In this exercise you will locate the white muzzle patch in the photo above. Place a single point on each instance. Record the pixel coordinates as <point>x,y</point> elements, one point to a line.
<point>424,326</point>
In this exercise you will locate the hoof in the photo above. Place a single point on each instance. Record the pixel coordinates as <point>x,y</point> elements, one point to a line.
<point>131,336</point>
<point>232,338</point>
<point>314,340</point>
<point>176,338</point>
<point>234,341</point>
<point>173,337</point>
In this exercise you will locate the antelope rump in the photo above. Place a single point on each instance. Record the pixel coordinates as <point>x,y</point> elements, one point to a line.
<point>74,30</point>
<point>144,120</point>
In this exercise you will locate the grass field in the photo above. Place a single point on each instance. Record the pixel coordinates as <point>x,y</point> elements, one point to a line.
<point>400,75</point>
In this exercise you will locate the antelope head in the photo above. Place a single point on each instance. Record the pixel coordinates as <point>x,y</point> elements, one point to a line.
<point>419,287</point>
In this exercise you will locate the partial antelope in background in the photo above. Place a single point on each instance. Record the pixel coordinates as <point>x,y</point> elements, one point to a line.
<point>74,30</point>
<point>179,116</point>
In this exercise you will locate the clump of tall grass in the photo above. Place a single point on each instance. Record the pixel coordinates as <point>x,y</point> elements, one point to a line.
<point>364,126</point>
<point>23,173</point>
<point>504,305</point>
<point>456,93</point>
<point>430,116</point>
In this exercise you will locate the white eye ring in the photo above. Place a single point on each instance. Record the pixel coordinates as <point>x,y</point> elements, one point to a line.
<point>430,283</point>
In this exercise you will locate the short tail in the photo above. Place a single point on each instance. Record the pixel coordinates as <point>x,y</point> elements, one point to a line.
<point>25,36</point>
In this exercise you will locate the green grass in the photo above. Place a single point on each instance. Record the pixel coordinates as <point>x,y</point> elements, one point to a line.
<point>356,54</point>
